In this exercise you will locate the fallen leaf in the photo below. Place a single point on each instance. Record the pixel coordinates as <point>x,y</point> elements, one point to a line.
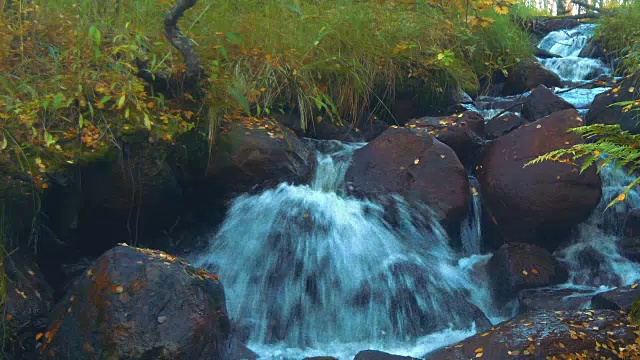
<point>416,161</point>
<point>538,126</point>
<point>118,289</point>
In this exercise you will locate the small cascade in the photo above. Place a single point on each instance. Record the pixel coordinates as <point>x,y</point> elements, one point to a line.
<point>568,44</point>
<point>594,259</point>
<point>471,231</point>
<point>306,267</point>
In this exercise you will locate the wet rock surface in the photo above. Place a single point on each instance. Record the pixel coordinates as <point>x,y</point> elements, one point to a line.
<point>539,203</point>
<point>413,164</point>
<point>140,304</point>
<point>464,132</point>
<point>621,298</point>
<point>588,334</point>
<point>543,102</point>
<point>553,299</point>
<point>602,111</point>
<point>27,300</point>
<point>518,266</point>
<point>503,125</point>
<point>379,355</point>
<point>527,75</point>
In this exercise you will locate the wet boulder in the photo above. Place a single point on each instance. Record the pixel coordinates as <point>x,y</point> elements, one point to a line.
<point>503,125</point>
<point>543,102</point>
<point>140,304</point>
<point>27,302</point>
<point>550,298</point>
<point>621,298</point>
<point>415,165</point>
<point>539,203</point>
<point>379,355</point>
<point>594,50</point>
<point>258,153</point>
<point>464,133</point>
<point>602,111</point>
<point>571,334</point>
<point>518,266</point>
<point>527,75</point>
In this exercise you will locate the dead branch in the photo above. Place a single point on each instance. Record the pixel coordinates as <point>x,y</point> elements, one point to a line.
<point>181,42</point>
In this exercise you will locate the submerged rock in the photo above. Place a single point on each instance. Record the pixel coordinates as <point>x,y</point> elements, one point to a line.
<point>540,203</point>
<point>518,266</point>
<point>140,304</point>
<point>415,165</point>
<point>573,334</point>
<point>543,102</point>
<point>464,133</point>
<point>527,75</point>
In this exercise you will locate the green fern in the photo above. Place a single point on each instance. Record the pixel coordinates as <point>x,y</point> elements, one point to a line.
<point>611,146</point>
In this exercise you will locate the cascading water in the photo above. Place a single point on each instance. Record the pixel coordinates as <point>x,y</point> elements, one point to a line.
<point>305,266</point>
<point>568,44</point>
<point>595,259</point>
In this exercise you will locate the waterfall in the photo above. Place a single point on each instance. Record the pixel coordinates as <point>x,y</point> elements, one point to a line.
<point>568,44</point>
<point>304,265</point>
<point>594,259</point>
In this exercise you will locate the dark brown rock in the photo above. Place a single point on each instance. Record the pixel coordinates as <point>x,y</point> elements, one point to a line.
<point>543,102</point>
<point>569,334</point>
<point>618,299</point>
<point>258,153</point>
<point>415,165</point>
<point>553,299</point>
<point>379,355</point>
<point>464,133</point>
<point>601,111</point>
<point>27,300</point>
<point>540,203</point>
<point>503,125</point>
<point>527,75</point>
<point>518,266</point>
<point>140,304</point>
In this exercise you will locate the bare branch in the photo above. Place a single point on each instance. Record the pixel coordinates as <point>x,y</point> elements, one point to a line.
<point>181,42</point>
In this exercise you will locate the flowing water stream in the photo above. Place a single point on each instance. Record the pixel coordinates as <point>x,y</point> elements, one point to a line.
<point>310,271</point>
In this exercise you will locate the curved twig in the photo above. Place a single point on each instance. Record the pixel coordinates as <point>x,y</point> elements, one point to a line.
<point>181,42</point>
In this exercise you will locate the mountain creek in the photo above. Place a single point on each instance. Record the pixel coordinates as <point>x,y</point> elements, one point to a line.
<point>425,239</point>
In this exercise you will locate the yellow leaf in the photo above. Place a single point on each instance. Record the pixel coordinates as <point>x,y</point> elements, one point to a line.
<point>621,197</point>
<point>479,350</point>
<point>525,273</point>
<point>118,289</point>
<point>479,355</point>
<point>38,336</point>
<point>121,101</point>
<point>416,161</point>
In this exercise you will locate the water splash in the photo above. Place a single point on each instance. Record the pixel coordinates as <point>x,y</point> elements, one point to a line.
<point>304,265</point>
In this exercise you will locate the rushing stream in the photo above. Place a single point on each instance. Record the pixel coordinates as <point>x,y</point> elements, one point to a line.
<point>309,271</point>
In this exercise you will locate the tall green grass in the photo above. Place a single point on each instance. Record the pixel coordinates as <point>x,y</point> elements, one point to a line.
<point>620,36</point>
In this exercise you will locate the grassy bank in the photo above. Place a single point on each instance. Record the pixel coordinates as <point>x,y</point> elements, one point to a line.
<point>620,36</point>
<point>69,91</point>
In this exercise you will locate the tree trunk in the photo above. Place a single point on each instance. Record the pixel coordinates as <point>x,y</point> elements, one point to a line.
<point>181,42</point>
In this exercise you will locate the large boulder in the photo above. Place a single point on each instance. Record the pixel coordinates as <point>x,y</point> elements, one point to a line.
<point>573,334</point>
<point>27,300</point>
<point>542,202</point>
<point>602,111</point>
<point>253,152</point>
<point>140,304</point>
<point>415,165</point>
<point>464,133</point>
<point>527,75</point>
<point>518,266</point>
<point>621,298</point>
<point>503,125</point>
<point>543,102</point>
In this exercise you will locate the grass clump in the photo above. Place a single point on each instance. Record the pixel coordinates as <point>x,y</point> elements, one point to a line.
<point>69,90</point>
<point>620,36</point>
